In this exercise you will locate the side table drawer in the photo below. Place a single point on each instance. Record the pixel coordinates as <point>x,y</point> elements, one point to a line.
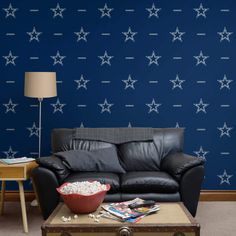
<point>12,172</point>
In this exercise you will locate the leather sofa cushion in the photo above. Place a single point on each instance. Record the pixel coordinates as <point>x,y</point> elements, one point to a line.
<point>104,178</point>
<point>55,164</point>
<point>89,145</point>
<point>100,160</point>
<point>139,156</point>
<point>148,182</point>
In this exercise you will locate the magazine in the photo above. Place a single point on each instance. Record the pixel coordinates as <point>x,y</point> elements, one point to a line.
<point>10,161</point>
<point>122,211</point>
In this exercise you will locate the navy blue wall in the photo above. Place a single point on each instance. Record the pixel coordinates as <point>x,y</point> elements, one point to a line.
<point>179,56</point>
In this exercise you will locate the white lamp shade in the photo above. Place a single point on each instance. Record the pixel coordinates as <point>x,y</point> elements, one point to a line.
<point>40,84</point>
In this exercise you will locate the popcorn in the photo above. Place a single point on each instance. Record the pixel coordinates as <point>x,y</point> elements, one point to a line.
<point>84,188</point>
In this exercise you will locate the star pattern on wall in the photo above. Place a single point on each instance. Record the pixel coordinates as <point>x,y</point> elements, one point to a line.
<point>153,11</point>
<point>106,106</point>
<point>10,153</point>
<point>225,178</point>
<point>105,59</point>
<point>177,35</point>
<point>177,82</point>
<point>58,11</point>
<point>201,153</point>
<point>34,130</point>
<point>153,59</point>
<point>224,35</point>
<point>10,106</point>
<point>201,59</point>
<point>58,106</point>
<point>201,106</point>
<point>225,83</point>
<point>10,11</point>
<point>129,83</point>
<point>58,59</point>
<point>153,106</point>
<point>34,35</point>
<point>106,11</point>
<point>10,59</point>
<point>225,130</point>
<point>129,35</point>
<point>82,35</point>
<point>82,83</point>
<point>201,11</point>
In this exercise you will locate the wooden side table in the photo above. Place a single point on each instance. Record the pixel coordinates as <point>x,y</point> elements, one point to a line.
<point>19,173</point>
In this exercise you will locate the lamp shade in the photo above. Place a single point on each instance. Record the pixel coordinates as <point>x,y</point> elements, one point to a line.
<point>40,84</point>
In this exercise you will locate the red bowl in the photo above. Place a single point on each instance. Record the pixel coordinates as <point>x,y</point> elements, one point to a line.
<point>78,203</point>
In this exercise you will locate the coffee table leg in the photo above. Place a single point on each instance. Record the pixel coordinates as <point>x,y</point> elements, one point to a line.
<point>23,208</point>
<point>2,197</point>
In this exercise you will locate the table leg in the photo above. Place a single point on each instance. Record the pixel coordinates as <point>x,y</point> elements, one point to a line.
<point>2,197</point>
<point>23,208</point>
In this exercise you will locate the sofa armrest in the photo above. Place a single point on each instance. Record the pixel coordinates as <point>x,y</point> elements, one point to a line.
<point>176,164</point>
<point>45,184</point>
<point>56,165</point>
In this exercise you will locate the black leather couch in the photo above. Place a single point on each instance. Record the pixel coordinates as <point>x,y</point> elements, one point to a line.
<point>156,167</point>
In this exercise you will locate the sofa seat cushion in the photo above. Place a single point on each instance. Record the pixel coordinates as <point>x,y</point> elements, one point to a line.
<point>102,177</point>
<point>148,182</point>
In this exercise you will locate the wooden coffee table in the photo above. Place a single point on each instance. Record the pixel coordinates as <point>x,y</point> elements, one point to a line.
<point>173,219</point>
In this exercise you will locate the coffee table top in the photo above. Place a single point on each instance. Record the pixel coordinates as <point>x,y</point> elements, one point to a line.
<point>169,214</point>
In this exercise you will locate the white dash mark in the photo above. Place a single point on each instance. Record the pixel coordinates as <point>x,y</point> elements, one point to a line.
<point>177,10</point>
<point>201,34</point>
<point>105,81</point>
<point>177,105</point>
<point>224,10</point>
<point>82,58</point>
<point>34,105</point>
<point>129,105</point>
<point>82,10</point>
<point>34,10</point>
<point>58,34</point>
<point>225,105</point>
<point>224,58</point>
<point>10,129</point>
<point>153,81</point>
<point>129,10</point>
<point>10,81</point>
<point>81,105</point>
<point>59,81</point>
<point>105,34</point>
<point>225,153</point>
<point>10,34</point>
<point>201,129</point>
<point>129,58</point>
<point>34,153</point>
<point>201,81</point>
<point>153,34</point>
<point>177,58</point>
<point>34,58</point>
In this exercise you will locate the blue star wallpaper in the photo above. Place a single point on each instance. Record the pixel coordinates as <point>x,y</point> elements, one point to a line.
<point>123,63</point>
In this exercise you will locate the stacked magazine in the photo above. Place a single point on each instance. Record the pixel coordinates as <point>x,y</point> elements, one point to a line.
<point>121,211</point>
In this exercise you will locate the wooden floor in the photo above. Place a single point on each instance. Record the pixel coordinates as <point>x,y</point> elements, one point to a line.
<point>216,219</point>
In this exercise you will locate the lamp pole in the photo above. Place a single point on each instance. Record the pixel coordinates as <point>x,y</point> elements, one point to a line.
<point>40,124</point>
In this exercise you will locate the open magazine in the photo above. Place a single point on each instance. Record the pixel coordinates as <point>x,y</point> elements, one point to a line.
<point>122,211</point>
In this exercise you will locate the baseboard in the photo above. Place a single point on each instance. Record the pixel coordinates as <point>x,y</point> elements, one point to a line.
<point>218,195</point>
<point>206,195</point>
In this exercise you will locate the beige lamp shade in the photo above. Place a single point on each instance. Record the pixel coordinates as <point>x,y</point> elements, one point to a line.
<point>40,84</point>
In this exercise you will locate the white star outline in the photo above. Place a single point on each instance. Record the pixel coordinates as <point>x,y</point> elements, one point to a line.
<point>129,83</point>
<point>201,106</point>
<point>201,59</point>
<point>58,106</point>
<point>58,58</point>
<point>224,178</point>
<point>10,153</point>
<point>129,35</point>
<point>201,153</point>
<point>224,83</point>
<point>34,130</point>
<point>153,59</point>
<point>10,11</point>
<point>57,11</point>
<point>224,35</point>
<point>81,83</point>
<point>10,106</point>
<point>81,125</point>
<point>105,11</point>
<point>129,125</point>
<point>225,130</point>
<point>34,35</point>
<point>177,83</point>
<point>153,106</point>
<point>177,35</point>
<point>105,106</point>
<point>105,59</point>
<point>153,11</point>
<point>10,59</point>
<point>82,35</point>
<point>201,11</point>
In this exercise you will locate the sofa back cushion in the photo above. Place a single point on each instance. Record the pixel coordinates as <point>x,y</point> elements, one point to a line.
<point>139,156</point>
<point>99,160</point>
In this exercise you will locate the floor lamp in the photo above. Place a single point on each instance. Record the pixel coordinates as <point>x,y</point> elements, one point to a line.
<point>40,85</point>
